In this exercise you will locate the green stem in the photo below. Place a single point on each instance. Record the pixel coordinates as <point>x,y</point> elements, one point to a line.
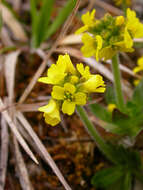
<point>124,7</point>
<point>105,148</point>
<point>117,83</point>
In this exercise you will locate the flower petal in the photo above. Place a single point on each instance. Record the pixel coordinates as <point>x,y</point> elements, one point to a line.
<point>137,69</point>
<point>111,107</point>
<point>128,40</point>
<point>49,107</point>
<point>64,63</point>
<point>56,74</point>
<point>80,98</point>
<point>53,118</point>
<point>58,93</point>
<point>83,71</point>
<point>99,42</point>
<point>94,84</point>
<point>68,107</point>
<point>140,62</point>
<point>70,88</point>
<point>44,80</point>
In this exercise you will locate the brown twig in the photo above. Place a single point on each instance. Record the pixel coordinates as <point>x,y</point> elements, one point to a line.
<point>16,133</point>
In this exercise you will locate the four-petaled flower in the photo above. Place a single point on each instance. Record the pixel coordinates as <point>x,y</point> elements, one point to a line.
<point>70,97</point>
<point>71,87</point>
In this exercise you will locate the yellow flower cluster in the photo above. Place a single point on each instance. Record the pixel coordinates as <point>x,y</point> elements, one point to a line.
<point>138,69</point>
<point>119,2</point>
<point>71,87</point>
<point>104,38</point>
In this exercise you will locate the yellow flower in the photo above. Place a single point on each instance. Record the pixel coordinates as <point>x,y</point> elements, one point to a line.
<point>51,113</point>
<point>111,107</point>
<point>57,72</point>
<point>134,26</point>
<point>71,87</point>
<point>94,84</point>
<point>136,82</point>
<point>91,45</point>
<point>70,97</point>
<point>119,2</point>
<point>64,61</point>
<point>138,69</point>
<point>110,35</point>
<point>140,65</point>
<point>119,20</point>
<point>88,21</point>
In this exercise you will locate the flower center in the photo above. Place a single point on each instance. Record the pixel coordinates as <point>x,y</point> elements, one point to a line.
<point>68,96</point>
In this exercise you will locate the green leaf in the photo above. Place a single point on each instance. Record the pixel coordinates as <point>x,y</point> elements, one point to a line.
<point>34,15</point>
<point>60,18</point>
<point>124,183</point>
<point>127,183</point>
<point>138,95</point>
<point>43,21</point>
<point>100,112</point>
<point>123,129</point>
<point>106,177</point>
<point>129,159</point>
<point>122,124</point>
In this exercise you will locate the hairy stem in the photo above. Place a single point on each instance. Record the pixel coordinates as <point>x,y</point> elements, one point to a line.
<point>117,83</point>
<point>105,148</point>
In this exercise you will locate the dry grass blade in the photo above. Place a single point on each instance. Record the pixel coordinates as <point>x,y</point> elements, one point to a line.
<point>43,65</point>
<point>71,39</point>
<point>21,168</point>
<point>17,4</point>
<point>9,68</point>
<point>30,107</point>
<point>3,152</point>
<point>12,23</point>
<point>42,149</point>
<point>108,7</point>
<point>17,134</point>
<point>5,37</point>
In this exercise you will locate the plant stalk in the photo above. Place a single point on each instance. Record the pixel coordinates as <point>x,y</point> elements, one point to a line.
<point>117,83</point>
<point>124,7</point>
<point>105,148</point>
